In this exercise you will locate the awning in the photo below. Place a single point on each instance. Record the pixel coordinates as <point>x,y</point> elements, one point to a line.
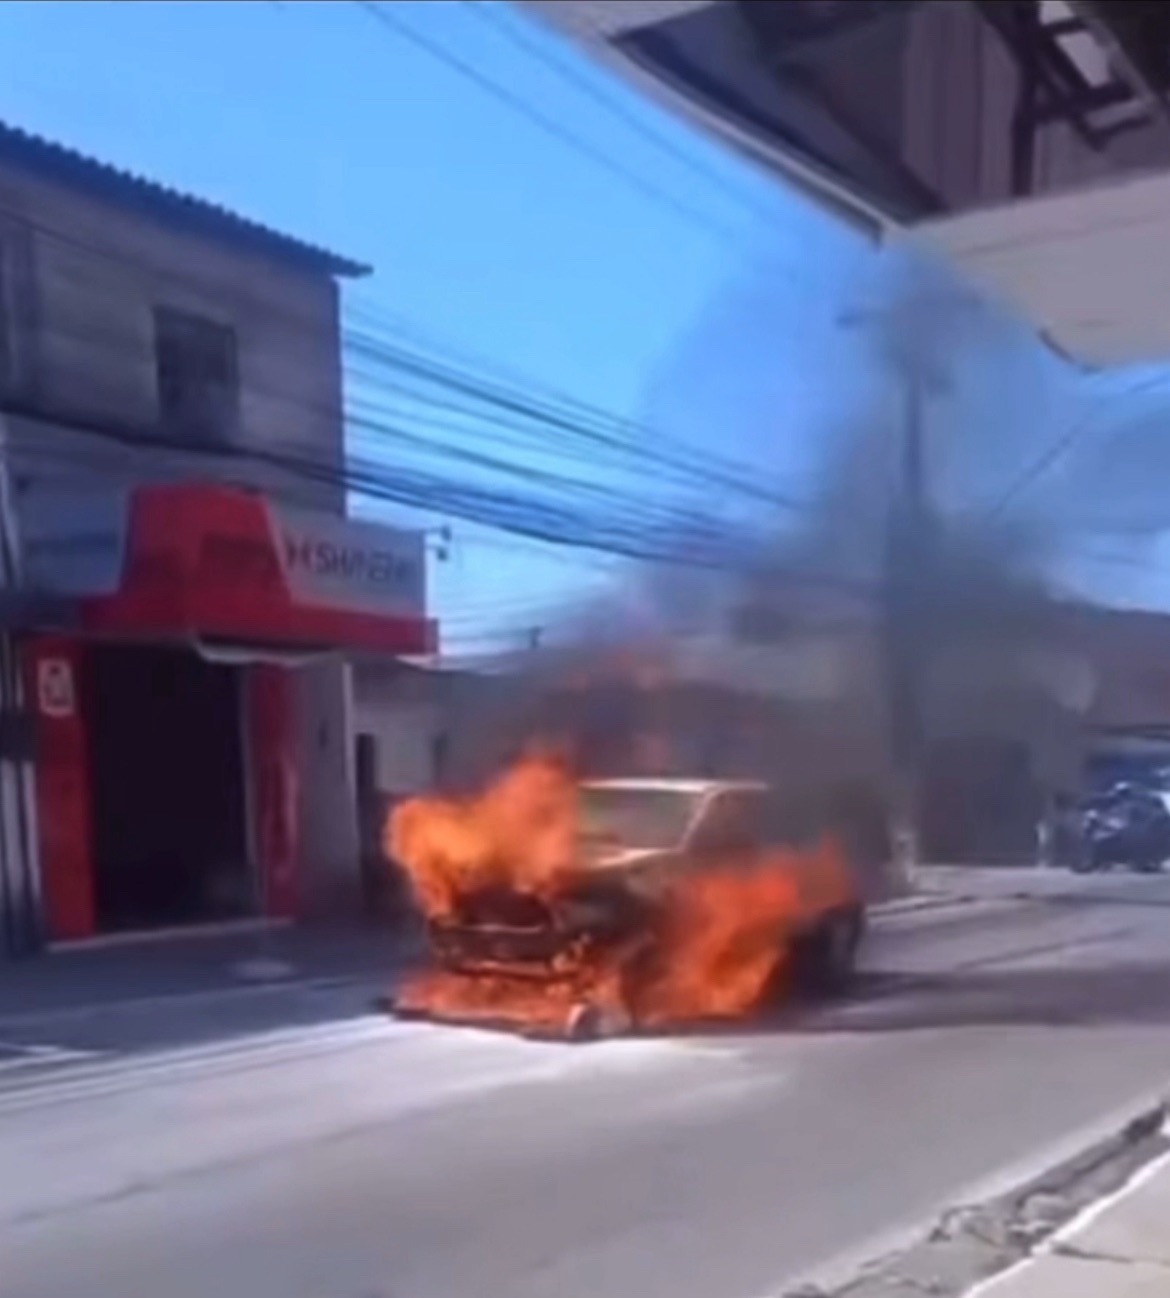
<point>214,564</point>
<point>1088,269</point>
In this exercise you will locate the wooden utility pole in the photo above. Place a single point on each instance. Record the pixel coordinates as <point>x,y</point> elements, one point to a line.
<point>914,336</point>
<point>906,613</point>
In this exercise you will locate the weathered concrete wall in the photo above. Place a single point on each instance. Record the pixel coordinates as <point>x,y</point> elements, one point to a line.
<point>83,280</point>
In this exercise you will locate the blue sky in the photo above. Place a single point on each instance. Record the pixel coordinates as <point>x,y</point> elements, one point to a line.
<point>488,235</point>
<point>707,307</point>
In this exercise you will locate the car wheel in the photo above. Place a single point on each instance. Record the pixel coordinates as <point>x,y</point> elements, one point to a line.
<point>827,960</point>
<point>593,1023</point>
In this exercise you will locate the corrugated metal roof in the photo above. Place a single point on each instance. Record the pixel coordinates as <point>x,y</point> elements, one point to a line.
<point>64,166</point>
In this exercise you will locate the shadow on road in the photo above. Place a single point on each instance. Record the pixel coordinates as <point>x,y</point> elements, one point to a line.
<point>1078,901</point>
<point>122,1003</point>
<point>1133,993</point>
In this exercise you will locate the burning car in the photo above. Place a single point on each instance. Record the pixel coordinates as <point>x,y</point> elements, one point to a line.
<point>583,909</point>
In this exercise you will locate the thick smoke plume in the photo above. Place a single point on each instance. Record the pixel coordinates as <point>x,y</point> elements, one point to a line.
<point>776,662</point>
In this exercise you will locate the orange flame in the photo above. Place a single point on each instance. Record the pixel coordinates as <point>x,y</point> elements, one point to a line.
<point>709,945</point>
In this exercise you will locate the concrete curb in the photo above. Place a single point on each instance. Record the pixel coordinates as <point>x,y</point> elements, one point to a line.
<point>970,1247</point>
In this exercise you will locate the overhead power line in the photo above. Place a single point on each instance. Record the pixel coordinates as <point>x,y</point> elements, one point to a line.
<point>582,424</point>
<point>525,426</point>
<point>494,15</point>
<point>392,22</point>
<point>1067,440</point>
<point>544,507</point>
<point>681,539</point>
<point>533,417</point>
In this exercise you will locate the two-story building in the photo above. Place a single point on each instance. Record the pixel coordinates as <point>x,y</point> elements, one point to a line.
<point>171,405</point>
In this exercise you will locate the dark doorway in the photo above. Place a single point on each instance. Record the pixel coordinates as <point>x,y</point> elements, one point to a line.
<point>370,809</point>
<point>169,801</point>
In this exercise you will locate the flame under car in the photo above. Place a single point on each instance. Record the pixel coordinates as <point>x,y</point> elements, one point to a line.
<point>686,900</point>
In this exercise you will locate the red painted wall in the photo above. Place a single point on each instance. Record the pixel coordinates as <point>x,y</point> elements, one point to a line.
<point>53,667</point>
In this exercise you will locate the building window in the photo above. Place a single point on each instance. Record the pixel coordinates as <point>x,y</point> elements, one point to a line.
<point>198,376</point>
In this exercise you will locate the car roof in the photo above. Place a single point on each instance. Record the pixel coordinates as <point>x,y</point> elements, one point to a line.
<point>666,784</point>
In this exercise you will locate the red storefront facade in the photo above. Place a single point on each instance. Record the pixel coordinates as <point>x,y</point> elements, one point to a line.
<point>219,572</point>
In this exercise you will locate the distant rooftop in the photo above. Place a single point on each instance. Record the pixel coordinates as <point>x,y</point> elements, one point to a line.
<point>56,163</point>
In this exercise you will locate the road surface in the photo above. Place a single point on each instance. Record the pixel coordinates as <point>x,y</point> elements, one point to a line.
<point>340,1156</point>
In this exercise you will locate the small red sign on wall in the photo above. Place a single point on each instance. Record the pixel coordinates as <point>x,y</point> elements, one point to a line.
<point>56,689</point>
<point>62,787</point>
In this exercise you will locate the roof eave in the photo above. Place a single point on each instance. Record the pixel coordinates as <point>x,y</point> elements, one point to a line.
<point>60,164</point>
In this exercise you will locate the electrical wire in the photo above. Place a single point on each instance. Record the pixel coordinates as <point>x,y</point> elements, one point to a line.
<point>435,493</point>
<point>584,424</point>
<point>439,494</point>
<point>573,74</point>
<point>685,541</point>
<point>393,22</point>
<point>1062,445</point>
<point>591,431</point>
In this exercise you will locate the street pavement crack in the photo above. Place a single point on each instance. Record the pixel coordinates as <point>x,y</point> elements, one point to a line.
<point>971,1243</point>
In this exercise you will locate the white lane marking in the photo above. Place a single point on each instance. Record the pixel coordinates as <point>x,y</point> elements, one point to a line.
<point>18,1056</point>
<point>179,1062</point>
<point>144,1138</point>
<point>456,1060</point>
<point>209,995</point>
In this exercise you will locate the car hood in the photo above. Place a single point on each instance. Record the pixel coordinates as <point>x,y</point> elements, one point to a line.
<point>619,858</point>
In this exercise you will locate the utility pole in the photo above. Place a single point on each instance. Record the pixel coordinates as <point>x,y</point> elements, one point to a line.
<point>906,614</point>
<point>918,335</point>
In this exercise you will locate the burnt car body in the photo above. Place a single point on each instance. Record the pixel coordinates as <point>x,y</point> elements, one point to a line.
<point>636,837</point>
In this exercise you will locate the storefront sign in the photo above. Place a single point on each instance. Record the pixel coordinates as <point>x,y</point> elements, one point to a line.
<point>76,542</point>
<point>238,560</point>
<point>56,694</point>
<point>351,564</point>
<point>191,558</point>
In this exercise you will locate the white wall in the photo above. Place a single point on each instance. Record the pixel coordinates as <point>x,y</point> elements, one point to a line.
<point>330,853</point>
<point>1089,268</point>
<point>405,733</point>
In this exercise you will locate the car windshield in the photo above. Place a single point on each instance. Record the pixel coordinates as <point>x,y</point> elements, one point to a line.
<point>634,817</point>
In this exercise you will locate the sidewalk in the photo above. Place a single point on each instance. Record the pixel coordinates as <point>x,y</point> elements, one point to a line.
<point>1120,1248</point>
<point>197,965</point>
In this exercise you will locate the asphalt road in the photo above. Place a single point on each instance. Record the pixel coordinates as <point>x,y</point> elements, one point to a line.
<point>340,1156</point>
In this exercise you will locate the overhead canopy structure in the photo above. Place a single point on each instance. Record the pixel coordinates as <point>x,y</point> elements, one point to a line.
<point>1090,269</point>
<point>691,57</point>
<point>1027,140</point>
